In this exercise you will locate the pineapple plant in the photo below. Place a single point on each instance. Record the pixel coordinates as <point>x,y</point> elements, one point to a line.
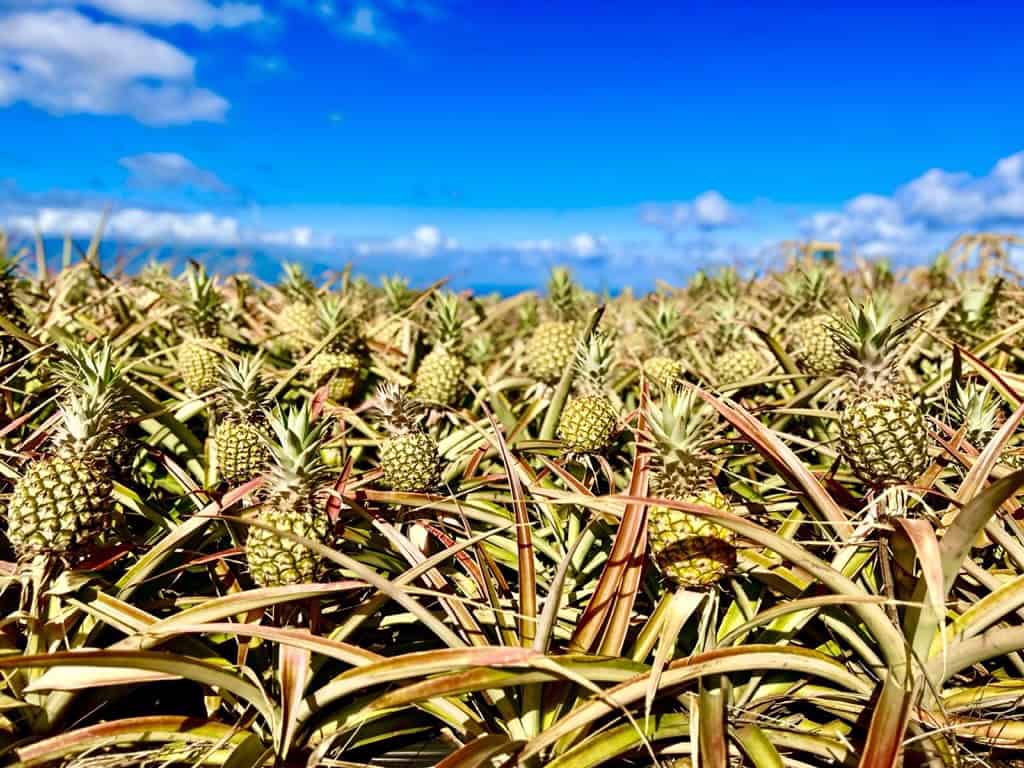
<point>299,319</point>
<point>294,502</point>
<point>811,339</point>
<point>409,456</point>
<point>440,377</point>
<point>10,308</point>
<point>690,550</point>
<point>63,504</point>
<point>589,420</point>
<point>736,359</point>
<point>663,326</point>
<point>976,313</point>
<point>341,365</point>
<point>553,343</point>
<point>239,439</point>
<point>882,431</point>
<point>202,348</point>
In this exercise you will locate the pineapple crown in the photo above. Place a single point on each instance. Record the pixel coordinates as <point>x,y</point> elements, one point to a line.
<point>730,327</point>
<point>446,311</point>
<point>679,429</point>
<point>397,295</point>
<point>727,283</point>
<point>295,442</point>
<point>809,290</point>
<point>340,317</point>
<point>397,412</point>
<point>869,339</point>
<point>977,305</point>
<point>295,285</point>
<point>201,300</point>
<point>564,294</point>
<point>974,406</point>
<point>93,399</point>
<point>245,392</point>
<point>662,322</point>
<point>594,358</point>
<point>528,315</point>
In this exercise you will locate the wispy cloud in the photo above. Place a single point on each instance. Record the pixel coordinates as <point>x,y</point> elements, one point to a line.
<point>169,170</point>
<point>928,211</point>
<point>67,63</point>
<point>707,211</point>
<point>164,13</point>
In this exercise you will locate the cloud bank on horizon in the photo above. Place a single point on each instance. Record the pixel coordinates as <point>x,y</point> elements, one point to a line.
<point>142,76</point>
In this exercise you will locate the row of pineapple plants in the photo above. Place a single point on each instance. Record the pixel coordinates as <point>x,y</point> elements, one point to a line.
<point>750,520</point>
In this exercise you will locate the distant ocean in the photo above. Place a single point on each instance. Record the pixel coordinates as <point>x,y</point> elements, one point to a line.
<point>483,276</point>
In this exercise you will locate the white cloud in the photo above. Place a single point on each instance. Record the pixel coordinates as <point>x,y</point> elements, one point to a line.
<point>926,212</point>
<point>161,227</point>
<point>422,242</point>
<point>135,223</point>
<point>169,170</point>
<point>708,210</point>
<point>164,13</point>
<point>67,63</point>
<point>366,23</point>
<point>582,246</point>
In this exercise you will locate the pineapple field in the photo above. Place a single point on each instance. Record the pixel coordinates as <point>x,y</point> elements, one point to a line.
<point>762,520</point>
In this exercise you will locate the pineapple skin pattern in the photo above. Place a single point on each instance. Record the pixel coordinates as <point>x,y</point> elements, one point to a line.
<point>551,348</point>
<point>241,451</point>
<point>275,560</point>
<point>884,439</point>
<point>587,424</point>
<point>690,550</point>
<point>60,505</point>
<point>410,462</point>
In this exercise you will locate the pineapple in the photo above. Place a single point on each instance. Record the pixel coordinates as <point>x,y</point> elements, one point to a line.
<point>298,320</point>
<point>10,309</point>
<point>589,420</point>
<point>811,337</point>
<point>63,503</point>
<point>295,502</point>
<point>440,378</point>
<point>341,365</point>
<point>690,550</point>
<point>882,431</point>
<point>239,438</point>
<point>553,343</point>
<point>201,351</point>
<point>408,456</point>
<point>736,360</point>
<point>663,326</point>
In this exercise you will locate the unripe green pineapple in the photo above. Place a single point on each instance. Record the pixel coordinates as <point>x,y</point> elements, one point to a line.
<point>663,371</point>
<point>10,308</point>
<point>736,357</point>
<point>589,420</point>
<point>298,320</point>
<point>883,434</point>
<point>663,327</point>
<point>295,502</point>
<point>550,349</point>
<point>441,375</point>
<point>738,365</point>
<point>553,344</point>
<point>240,439</point>
<point>811,337</point>
<point>199,362</point>
<point>201,351</point>
<point>63,502</point>
<point>408,456</point>
<point>814,347</point>
<point>341,366</point>
<point>342,372</point>
<point>690,550</point>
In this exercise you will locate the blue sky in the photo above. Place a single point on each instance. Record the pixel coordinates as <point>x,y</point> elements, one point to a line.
<point>489,140</point>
